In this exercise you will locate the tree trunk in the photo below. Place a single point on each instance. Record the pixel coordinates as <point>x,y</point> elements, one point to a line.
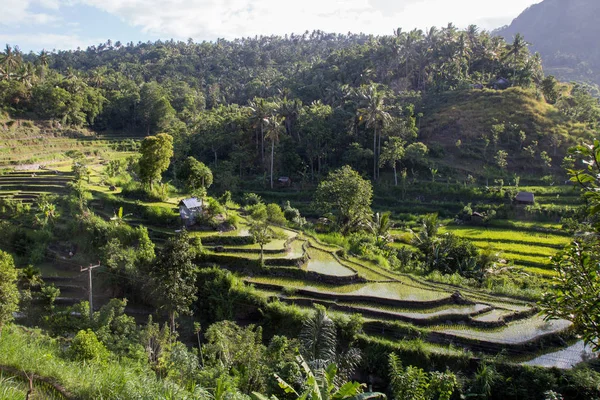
<point>172,319</point>
<point>272,156</point>
<point>375,155</point>
<point>262,255</point>
<point>200,350</point>
<point>319,166</point>
<point>378,154</point>
<point>262,144</point>
<point>395,176</point>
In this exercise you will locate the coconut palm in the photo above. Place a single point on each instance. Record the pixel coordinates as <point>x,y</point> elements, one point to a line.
<point>374,115</point>
<point>26,74</point>
<point>289,110</point>
<point>42,63</point>
<point>260,112</point>
<point>517,51</point>
<point>10,59</point>
<point>380,226</point>
<point>273,128</point>
<point>393,152</point>
<point>97,76</point>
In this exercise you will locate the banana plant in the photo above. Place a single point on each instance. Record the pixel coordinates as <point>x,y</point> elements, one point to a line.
<point>320,386</point>
<point>119,218</point>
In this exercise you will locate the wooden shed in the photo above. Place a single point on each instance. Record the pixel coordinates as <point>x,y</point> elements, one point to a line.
<point>189,209</point>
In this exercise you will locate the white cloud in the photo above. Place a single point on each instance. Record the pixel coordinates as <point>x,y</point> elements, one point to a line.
<point>48,41</point>
<point>18,13</point>
<point>14,12</point>
<point>49,4</point>
<point>210,19</point>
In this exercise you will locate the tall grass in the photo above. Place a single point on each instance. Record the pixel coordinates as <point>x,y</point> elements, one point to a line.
<point>31,351</point>
<point>11,389</point>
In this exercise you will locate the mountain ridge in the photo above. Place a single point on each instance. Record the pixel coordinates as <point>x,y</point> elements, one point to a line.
<point>563,32</point>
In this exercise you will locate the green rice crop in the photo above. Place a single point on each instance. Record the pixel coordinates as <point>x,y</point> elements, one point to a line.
<point>526,259</point>
<point>296,249</point>
<point>326,264</point>
<point>541,271</point>
<point>515,248</point>
<point>417,345</point>
<point>507,236</point>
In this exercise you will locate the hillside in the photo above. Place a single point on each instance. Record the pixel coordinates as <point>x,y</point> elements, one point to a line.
<point>565,33</point>
<point>462,123</point>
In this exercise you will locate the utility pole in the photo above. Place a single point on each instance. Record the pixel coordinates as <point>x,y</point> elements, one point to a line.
<point>89,270</point>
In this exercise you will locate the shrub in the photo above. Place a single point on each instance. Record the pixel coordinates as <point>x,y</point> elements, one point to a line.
<point>293,215</point>
<point>251,199</point>
<point>233,220</point>
<point>86,347</point>
<point>213,207</point>
<point>161,216</point>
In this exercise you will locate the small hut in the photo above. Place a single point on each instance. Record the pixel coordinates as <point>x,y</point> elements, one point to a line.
<point>284,181</point>
<point>189,210</point>
<point>525,198</point>
<point>501,84</point>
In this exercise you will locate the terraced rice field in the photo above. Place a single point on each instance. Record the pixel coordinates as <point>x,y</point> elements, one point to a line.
<point>564,359</point>
<point>381,296</point>
<point>529,249</point>
<point>27,186</point>
<point>325,263</point>
<point>517,332</point>
<point>476,320</point>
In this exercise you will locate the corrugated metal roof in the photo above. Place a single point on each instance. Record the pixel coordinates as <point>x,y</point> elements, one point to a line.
<point>525,197</point>
<point>191,203</point>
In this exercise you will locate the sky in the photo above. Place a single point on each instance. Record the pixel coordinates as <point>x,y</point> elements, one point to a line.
<point>34,25</point>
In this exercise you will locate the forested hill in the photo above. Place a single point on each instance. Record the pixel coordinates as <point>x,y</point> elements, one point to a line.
<point>302,105</point>
<point>566,33</point>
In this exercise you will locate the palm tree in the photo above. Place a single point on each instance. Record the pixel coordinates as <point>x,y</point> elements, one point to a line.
<point>517,51</point>
<point>273,128</point>
<point>289,110</point>
<point>42,62</point>
<point>10,59</point>
<point>374,115</point>
<point>393,151</point>
<point>260,112</point>
<point>380,226</point>
<point>26,74</point>
<point>97,76</point>
<point>4,73</point>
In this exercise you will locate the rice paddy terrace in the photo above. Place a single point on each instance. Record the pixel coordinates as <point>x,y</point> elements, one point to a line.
<point>301,270</point>
<point>34,159</point>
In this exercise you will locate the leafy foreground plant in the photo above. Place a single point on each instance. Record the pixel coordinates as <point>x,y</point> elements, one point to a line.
<point>321,385</point>
<point>32,351</point>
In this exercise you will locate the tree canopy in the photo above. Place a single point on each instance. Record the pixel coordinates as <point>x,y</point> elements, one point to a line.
<point>156,152</point>
<point>576,288</point>
<point>346,196</point>
<point>9,294</point>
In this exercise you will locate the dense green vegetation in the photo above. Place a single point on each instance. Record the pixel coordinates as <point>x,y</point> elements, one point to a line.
<point>358,219</point>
